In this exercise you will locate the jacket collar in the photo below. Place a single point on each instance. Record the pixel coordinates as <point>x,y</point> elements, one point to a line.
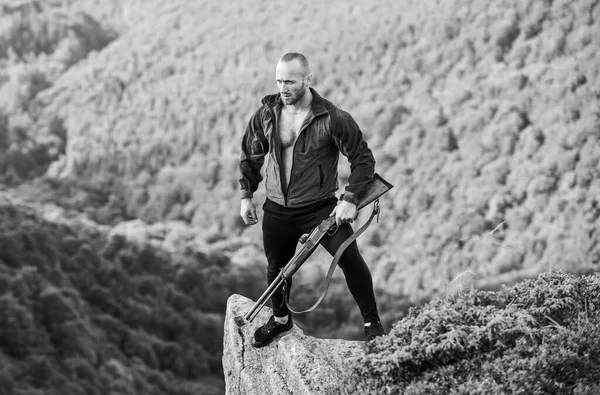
<point>317,105</point>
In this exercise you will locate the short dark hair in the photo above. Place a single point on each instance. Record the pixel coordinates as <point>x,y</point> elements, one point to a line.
<point>288,57</point>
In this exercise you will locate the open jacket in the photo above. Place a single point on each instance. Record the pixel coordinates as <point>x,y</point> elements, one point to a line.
<point>326,131</point>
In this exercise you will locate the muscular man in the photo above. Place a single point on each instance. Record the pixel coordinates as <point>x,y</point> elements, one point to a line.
<point>302,134</point>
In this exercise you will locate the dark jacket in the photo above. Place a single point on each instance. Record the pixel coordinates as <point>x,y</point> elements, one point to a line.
<point>326,131</point>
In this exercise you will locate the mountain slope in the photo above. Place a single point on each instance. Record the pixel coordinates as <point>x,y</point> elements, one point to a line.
<point>484,116</point>
<point>85,314</point>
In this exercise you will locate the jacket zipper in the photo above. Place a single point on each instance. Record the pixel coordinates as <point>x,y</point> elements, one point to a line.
<point>321,176</point>
<point>277,142</point>
<point>287,189</point>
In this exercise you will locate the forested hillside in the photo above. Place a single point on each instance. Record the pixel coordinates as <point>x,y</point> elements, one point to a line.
<point>484,115</point>
<point>80,314</point>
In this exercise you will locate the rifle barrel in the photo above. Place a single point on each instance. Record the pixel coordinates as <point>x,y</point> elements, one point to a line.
<point>253,312</point>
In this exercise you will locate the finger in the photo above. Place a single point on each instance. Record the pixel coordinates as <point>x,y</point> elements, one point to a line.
<point>346,220</point>
<point>249,218</point>
<point>333,212</point>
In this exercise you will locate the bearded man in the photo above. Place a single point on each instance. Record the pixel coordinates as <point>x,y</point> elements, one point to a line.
<point>302,135</point>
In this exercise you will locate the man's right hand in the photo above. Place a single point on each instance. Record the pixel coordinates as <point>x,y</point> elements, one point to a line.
<point>248,212</point>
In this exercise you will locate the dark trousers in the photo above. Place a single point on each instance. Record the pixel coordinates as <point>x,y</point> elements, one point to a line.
<point>282,227</point>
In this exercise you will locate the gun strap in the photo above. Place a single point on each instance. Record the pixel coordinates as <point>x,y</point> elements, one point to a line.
<point>334,263</point>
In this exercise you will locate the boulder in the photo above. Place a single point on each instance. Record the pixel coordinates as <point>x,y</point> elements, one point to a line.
<point>293,364</point>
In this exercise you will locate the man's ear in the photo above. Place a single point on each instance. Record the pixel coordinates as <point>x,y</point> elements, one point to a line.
<point>308,79</point>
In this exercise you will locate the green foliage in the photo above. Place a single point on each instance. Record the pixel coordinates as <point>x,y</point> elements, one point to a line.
<point>33,28</point>
<point>54,308</point>
<point>7,384</point>
<point>4,134</point>
<point>18,334</point>
<point>479,112</point>
<point>38,42</point>
<point>539,336</point>
<point>482,113</point>
<point>463,106</point>
<point>75,322</point>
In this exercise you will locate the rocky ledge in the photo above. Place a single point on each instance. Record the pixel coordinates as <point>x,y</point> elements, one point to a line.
<point>293,364</point>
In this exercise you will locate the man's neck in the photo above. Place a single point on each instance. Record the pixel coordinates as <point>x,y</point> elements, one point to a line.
<point>301,104</point>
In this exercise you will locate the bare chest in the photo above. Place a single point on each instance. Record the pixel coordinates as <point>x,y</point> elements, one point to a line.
<point>289,128</point>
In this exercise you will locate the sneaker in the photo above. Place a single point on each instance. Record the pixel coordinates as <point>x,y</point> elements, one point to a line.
<point>374,330</point>
<point>266,333</point>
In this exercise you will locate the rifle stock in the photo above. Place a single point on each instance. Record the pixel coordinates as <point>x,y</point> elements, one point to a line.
<point>376,187</point>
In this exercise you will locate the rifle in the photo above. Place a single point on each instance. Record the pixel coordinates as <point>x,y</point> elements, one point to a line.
<point>376,188</point>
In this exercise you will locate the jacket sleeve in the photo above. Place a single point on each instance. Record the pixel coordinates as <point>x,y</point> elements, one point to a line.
<point>253,150</point>
<point>349,140</point>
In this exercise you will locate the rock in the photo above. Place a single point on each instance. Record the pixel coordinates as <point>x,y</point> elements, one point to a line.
<point>293,364</point>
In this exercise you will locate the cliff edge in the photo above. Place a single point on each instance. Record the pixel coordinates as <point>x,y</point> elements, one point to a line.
<point>293,364</point>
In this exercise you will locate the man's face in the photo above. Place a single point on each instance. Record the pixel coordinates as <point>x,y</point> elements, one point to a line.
<point>291,81</point>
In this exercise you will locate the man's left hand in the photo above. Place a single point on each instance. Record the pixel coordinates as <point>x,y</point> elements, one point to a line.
<point>345,212</point>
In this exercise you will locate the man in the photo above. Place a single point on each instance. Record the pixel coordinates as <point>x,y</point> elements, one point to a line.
<point>302,134</point>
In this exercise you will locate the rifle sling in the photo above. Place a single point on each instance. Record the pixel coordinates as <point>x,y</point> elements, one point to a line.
<point>333,265</point>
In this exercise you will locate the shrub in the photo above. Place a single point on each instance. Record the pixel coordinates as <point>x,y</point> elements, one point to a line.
<point>7,384</point>
<point>80,369</point>
<point>140,346</point>
<point>34,81</point>
<point>4,132</point>
<point>148,285</point>
<point>540,336</point>
<point>39,371</point>
<point>18,336</point>
<point>167,353</point>
<point>71,339</point>
<point>158,380</point>
<point>54,308</point>
<point>177,300</point>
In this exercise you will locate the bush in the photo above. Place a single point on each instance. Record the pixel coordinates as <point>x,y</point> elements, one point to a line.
<point>140,346</point>
<point>167,353</point>
<point>80,369</point>
<point>54,309</point>
<point>148,285</point>
<point>4,133</point>
<point>540,336</point>
<point>71,339</point>
<point>18,334</point>
<point>39,371</point>
<point>7,384</point>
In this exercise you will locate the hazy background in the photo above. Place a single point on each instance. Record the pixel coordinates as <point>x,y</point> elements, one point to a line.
<point>120,125</point>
